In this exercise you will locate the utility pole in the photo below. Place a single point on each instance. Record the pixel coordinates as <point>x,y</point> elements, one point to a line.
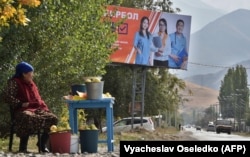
<point>212,112</point>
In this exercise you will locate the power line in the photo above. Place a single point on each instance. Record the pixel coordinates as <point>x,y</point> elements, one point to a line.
<point>214,66</point>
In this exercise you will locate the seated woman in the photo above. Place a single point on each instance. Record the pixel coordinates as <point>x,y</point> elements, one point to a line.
<point>31,112</point>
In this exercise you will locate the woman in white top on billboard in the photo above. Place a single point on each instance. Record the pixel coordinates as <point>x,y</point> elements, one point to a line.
<point>163,43</point>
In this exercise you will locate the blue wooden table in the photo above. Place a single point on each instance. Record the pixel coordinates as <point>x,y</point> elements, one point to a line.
<point>106,103</point>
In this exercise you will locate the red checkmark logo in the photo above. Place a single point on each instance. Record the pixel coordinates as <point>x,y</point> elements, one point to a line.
<point>123,28</point>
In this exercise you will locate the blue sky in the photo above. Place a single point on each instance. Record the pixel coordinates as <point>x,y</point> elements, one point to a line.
<point>205,11</point>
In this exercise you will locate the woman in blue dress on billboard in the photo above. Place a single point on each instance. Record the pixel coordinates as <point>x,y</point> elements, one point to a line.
<point>143,42</point>
<point>179,55</point>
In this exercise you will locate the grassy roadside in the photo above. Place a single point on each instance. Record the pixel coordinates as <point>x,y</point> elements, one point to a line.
<point>246,134</point>
<point>137,134</point>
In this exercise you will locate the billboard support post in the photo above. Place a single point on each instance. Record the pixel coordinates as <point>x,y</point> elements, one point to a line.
<point>139,81</point>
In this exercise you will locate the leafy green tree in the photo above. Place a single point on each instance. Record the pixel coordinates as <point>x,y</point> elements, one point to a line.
<point>66,41</point>
<point>13,12</point>
<point>160,90</point>
<point>62,51</point>
<point>234,94</point>
<point>166,6</point>
<point>161,5</point>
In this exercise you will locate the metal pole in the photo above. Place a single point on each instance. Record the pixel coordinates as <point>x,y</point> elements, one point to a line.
<point>133,96</point>
<point>216,111</point>
<point>144,71</point>
<point>234,110</point>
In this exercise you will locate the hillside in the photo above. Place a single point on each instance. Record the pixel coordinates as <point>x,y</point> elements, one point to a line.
<point>201,98</point>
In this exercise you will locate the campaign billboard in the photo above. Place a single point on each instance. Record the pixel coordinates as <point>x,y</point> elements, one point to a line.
<point>151,38</point>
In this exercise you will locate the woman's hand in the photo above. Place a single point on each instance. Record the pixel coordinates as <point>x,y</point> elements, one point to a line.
<point>158,54</point>
<point>174,57</point>
<point>138,51</point>
<point>26,104</point>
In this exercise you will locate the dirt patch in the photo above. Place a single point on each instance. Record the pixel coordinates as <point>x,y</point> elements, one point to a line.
<point>179,136</point>
<point>186,136</point>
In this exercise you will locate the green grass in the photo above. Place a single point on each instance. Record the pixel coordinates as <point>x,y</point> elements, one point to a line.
<point>246,134</point>
<point>4,144</point>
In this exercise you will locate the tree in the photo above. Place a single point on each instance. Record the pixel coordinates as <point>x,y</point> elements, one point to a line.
<point>14,12</point>
<point>160,90</point>
<point>159,5</point>
<point>234,94</point>
<point>61,51</point>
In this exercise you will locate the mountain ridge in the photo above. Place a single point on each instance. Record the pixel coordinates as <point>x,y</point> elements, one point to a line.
<point>218,46</point>
<point>221,43</point>
<point>213,80</point>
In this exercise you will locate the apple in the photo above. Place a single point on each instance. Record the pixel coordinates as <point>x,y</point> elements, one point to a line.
<point>93,127</point>
<point>96,80</point>
<point>53,128</point>
<point>88,80</point>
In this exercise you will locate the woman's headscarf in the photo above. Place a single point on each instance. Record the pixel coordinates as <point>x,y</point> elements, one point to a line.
<point>23,67</point>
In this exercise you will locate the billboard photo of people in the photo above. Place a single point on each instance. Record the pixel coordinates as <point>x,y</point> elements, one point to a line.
<point>162,39</point>
<point>150,38</point>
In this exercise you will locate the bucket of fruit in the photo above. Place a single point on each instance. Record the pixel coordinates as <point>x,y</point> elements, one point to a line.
<point>94,87</point>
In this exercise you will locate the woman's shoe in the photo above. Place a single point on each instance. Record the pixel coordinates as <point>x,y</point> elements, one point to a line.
<point>42,148</point>
<point>42,143</point>
<point>45,150</point>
